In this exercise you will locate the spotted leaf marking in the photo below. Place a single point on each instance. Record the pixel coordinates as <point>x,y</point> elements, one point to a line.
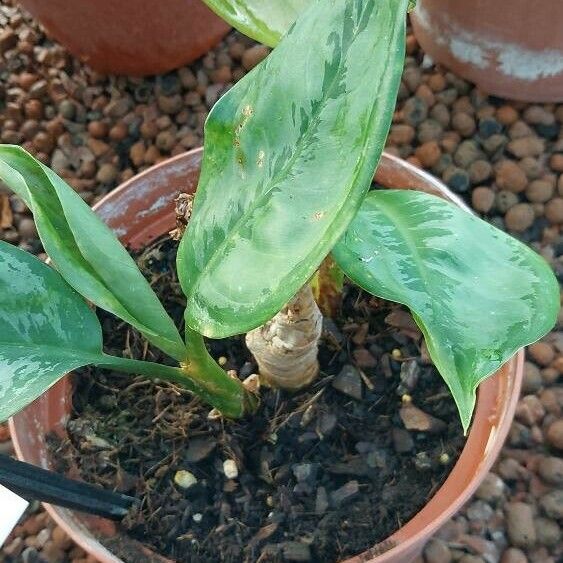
<point>85,251</point>
<point>289,154</point>
<point>46,329</point>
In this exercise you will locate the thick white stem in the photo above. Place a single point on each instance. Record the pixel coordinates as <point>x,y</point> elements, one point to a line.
<point>286,347</point>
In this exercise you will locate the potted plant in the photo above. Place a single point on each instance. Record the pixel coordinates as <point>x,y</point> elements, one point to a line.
<point>509,48</point>
<point>285,180</point>
<point>133,37</point>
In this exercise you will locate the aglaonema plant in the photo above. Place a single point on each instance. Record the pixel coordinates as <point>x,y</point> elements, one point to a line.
<point>289,157</point>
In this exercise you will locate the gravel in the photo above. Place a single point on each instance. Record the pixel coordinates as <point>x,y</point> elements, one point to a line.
<point>505,159</point>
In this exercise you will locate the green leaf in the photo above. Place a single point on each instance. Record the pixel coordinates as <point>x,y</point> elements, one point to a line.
<point>46,329</point>
<point>264,20</point>
<point>85,251</point>
<point>477,294</point>
<point>290,152</point>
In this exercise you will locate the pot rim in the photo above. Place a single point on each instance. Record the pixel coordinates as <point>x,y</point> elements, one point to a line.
<point>496,399</point>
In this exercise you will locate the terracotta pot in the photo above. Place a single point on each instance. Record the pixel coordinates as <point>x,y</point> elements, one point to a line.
<point>140,211</point>
<point>509,48</point>
<point>134,37</point>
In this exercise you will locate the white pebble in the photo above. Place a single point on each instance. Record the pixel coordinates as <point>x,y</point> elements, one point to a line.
<point>230,469</point>
<point>184,479</point>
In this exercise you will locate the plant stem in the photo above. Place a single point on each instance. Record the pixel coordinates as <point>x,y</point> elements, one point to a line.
<point>286,347</point>
<point>200,374</point>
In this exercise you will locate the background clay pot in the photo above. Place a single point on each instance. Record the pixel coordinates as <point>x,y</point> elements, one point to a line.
<point>510,48</point>
<point>141,210</point>
<point>134,37</point>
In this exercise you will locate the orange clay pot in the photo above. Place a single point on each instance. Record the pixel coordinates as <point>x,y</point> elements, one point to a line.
<point>509,48</point>
<point>133,37</point>
<point>141,210</point>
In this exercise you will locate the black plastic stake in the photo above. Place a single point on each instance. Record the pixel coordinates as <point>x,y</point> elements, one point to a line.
<point>34,483</point>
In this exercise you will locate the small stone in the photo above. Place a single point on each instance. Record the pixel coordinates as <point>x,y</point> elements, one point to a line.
<point>532,167</point>
<point>199,449</point>
<point>170,105</point>
<point>31,555</point>
<point>489,126</point>
<point>491,489</point>
<point>437,551</point>
<point>520,524</point>
<point>529,410</point>
<point>326,424</point>
<point>514,555</point>
<point>349,382</point>
<point>466,153</point>
<point>554,210</point>
<point>536,115</point>
<point>429,130</point>
<point>8,40</point>
<point>321,501</point>
<point>542,353</point>
<point>526,146</point>
<point>14,548</point>
<point>482,199</point>
<point>551,470</point>
<point>345,493</point>
<point>401,134</point>
<point>480,171</point>
<point>457,179</point>
<point>428,153</point>
<point>539,191</point>
<point>27,228</point>
<point>519,217</point>
<point>548,531</point>
<point>414,111</point>
<point>296,551</point>
<point>61,539</point>
<point>415,419</point>
<point>552,504</point>
<point>254,55</point>
<point>364,358</point>
<point>506,115</point>
<point>304,471</point>
<point>464,124</point>
<point>402,441</point>
<point>556,162</point>
<point>410,372</point>
<point>519,130</point>
<point>495,144</point>
<point>509,176</point>
<point>107,173</point>
<point>230,469</point>
<point>165,141</point>
<point>479,511</point>
<point>118,107</point>
<point>184,479</point>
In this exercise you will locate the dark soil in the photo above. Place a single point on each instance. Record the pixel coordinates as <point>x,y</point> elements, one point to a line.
<point>321,475</point>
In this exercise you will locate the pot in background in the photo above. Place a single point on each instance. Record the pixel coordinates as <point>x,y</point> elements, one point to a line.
<point>133,37</point>
<point>141,210</point>
<point>509,48</point>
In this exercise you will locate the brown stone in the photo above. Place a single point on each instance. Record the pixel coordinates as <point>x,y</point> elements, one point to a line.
<point>554,210</point>
<point>506,115</point>
<point>526,146</point>
<point>428,154</point>
<point>519,217</point>
<point>483,199</point>
<point>509,176</point>
<point>254,56</point>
